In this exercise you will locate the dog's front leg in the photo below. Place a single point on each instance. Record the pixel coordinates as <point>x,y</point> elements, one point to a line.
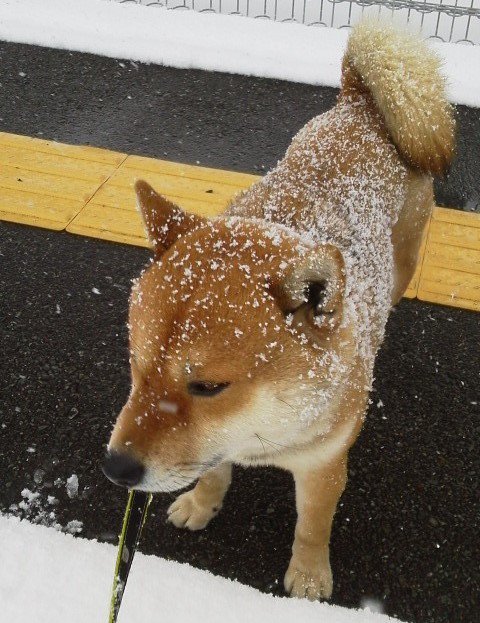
<point>195,508</point>
<point>317,493</point>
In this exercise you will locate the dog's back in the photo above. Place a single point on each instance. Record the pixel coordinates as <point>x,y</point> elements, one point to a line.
<point>359,176</point>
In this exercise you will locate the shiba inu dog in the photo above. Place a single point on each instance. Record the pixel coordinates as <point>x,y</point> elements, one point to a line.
<point>253,335</point>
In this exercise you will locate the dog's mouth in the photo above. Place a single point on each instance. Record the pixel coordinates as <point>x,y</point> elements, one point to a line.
<point>127,471</point>
<point>268,449</point>
<point>175,478</point>
<point>164,482</point>
<point>258,458</point>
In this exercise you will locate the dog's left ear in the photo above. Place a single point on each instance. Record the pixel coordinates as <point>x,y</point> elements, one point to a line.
<point>164,221</point>
<point>314,287</point>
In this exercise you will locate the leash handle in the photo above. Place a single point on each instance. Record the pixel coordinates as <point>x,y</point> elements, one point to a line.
<point>135,516</point>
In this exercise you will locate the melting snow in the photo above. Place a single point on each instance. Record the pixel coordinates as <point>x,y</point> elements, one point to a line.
<point>72,486</point>
<point>36,506</point>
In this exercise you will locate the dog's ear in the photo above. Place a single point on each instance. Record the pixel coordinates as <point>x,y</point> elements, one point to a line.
<point>313,288</point>
<point>164,221</point>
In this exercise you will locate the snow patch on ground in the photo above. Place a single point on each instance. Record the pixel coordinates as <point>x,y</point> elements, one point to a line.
<point>226,43</point>
<point>72,486</point>
<point>50,577</point>
<point>39,507</point>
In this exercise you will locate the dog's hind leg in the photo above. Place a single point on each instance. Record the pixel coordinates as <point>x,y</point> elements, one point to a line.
<point>195,508</point>
<point>407,231</point>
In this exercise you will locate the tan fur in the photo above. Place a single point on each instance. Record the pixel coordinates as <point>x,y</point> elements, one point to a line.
<point>282,302</point>
<point>318,491</point>
<point>194,509</point>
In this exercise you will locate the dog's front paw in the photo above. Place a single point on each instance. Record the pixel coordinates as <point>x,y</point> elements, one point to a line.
<point>186,512</point>
<point>310,583</point>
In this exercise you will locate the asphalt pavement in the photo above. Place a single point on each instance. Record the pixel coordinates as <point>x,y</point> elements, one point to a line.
<point>220,120</point>
<point>406,532</point>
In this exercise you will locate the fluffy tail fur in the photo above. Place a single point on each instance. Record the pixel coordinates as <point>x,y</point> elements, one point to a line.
<point>403,76</point>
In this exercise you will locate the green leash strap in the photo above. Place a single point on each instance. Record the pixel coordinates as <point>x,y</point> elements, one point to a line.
<point>133,522</point>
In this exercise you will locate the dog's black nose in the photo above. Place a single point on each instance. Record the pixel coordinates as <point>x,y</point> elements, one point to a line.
<point>123,469</point>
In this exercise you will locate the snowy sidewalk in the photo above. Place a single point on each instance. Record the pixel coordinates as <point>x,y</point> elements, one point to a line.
<point>225,43</point>
<point>51,577</point>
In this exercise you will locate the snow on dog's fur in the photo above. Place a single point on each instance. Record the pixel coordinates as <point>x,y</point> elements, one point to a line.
<point>253,335</point>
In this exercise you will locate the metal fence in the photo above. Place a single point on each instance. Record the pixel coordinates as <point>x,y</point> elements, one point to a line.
<point>455,21</point>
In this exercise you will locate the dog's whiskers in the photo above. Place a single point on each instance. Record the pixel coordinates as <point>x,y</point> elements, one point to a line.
<point>280,446</point>
<point>176,474</point>
<point>286,403</point>
<point>261,441</point>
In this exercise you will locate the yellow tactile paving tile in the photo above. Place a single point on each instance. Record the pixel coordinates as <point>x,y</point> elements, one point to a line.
<point>45,184</point>
<point>451,268</point>
<point>51,212</point>
<point>79,152</point>
<point>54,163</point>
<point>99,221</point>
<point>123,197</point>
<point>166,167</point>
<point>89,191</point>
<point>124,225</point>
<point>111,214</point>
<point>49,184</point>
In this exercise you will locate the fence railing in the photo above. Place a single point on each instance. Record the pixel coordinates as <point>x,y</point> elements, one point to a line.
<point>455,21</point>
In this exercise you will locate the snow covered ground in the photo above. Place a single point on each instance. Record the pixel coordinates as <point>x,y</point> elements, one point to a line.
<point>340,13</point>
<point>187,39</point>
<point>50,577</point>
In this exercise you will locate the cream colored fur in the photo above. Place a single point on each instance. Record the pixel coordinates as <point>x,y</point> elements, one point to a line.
<point>403,75</point>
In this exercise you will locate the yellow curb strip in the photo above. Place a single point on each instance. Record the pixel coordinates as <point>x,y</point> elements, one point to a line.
<point>90,199</point>
<point>99,221</point>
<point>112,215</point>
<point>450,272</point>
<point>77,152</point>
<point>47,184</point>
<point>121,196</point>
<point>89,191</point>
<point>166,167</point>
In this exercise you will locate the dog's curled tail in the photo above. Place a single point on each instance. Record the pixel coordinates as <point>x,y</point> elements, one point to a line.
<point>403,76</point>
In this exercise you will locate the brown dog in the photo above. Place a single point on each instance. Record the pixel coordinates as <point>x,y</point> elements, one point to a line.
<point>253,335</point>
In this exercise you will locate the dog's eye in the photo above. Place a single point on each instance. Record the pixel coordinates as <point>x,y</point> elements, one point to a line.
<point>205,388</point>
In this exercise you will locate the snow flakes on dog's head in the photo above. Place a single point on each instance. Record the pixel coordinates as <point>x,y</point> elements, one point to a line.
<point>214,297</point>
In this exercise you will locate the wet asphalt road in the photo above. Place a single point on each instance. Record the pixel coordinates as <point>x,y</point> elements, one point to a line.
<point>406,532</point>
<point>219,120</point>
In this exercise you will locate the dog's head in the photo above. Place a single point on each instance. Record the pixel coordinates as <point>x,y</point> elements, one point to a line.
<point>238,345</point>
